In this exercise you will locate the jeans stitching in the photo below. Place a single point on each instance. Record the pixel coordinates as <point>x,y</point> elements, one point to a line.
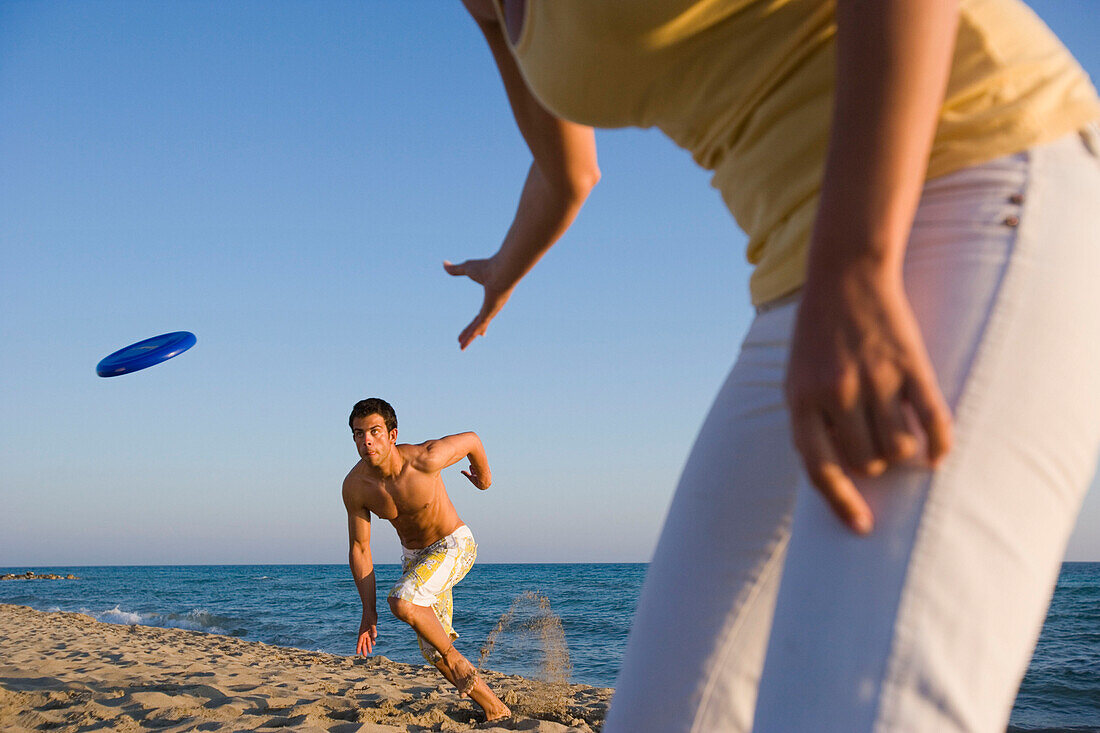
<point>991,338</point>
<point>740,619</point>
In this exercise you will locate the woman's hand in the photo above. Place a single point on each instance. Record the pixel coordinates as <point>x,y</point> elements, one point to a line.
<point>860,386</point>
<point>482,272</point>
<point>562,174</point>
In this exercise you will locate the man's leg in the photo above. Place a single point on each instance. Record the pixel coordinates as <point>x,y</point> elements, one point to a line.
<point>455,667</point>
<point>418,599</point>
<point>444,611</point>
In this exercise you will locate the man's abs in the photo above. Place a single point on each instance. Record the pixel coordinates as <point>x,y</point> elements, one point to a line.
<point>424,519</point>
<point>417,533</point>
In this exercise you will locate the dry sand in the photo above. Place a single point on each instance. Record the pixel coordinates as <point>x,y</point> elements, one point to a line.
<point>69,672</point>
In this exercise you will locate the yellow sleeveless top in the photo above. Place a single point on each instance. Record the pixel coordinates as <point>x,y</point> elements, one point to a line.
<point>746,86</point>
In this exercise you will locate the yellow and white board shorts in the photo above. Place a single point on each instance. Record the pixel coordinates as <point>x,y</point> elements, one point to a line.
<point>429,573</point>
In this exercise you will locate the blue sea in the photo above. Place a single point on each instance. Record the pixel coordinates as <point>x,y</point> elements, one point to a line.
<point>315,607</point>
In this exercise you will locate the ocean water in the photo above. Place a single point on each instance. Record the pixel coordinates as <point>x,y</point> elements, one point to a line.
<point>316,607</point>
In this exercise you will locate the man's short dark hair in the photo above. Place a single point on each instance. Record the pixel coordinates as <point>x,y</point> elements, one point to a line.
<point>374,406</point>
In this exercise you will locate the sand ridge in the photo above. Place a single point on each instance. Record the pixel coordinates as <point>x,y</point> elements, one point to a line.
<point>68,672</point>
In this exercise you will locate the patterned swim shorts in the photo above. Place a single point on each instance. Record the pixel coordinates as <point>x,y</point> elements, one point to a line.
<point>429,573</point>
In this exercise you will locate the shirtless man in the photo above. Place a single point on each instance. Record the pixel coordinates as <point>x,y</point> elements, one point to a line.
<point>401,483</point>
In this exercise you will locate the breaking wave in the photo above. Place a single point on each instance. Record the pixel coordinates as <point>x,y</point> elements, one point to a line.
<point>197,619</point>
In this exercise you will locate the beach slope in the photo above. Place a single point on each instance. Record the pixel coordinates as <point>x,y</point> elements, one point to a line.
<point>69,672</point>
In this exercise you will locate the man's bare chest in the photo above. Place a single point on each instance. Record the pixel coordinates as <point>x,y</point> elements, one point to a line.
<point>391,499</point>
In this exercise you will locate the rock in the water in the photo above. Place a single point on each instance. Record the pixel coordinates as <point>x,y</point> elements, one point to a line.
<point>31,575</point>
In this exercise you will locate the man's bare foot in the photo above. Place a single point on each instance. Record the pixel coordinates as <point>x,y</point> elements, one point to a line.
<point>494,722</point>
<point>494,708</point>
<point>469,683</point>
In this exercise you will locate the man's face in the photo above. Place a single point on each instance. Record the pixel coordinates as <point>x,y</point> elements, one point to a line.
<point>372,440</point>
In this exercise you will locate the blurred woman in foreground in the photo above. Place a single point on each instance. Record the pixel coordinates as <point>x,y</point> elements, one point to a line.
<point>913,420</point>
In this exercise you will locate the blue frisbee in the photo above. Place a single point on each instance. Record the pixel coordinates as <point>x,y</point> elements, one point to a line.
<point>144,354</point>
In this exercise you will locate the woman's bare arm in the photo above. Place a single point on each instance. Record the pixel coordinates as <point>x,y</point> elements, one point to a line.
<point>561,176</point>
<point>860,385</point>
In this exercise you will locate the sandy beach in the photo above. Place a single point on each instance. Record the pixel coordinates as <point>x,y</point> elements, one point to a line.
<point>69,672</point>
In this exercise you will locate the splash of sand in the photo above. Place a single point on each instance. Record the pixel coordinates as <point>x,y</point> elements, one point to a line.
<point>530,613</point>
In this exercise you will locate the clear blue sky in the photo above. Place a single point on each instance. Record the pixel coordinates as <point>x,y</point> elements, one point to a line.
<point>284,180</point>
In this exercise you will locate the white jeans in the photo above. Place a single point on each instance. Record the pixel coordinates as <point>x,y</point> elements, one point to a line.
<point>927,625</point>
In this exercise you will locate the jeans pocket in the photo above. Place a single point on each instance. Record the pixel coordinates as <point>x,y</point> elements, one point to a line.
<point>985,195</point>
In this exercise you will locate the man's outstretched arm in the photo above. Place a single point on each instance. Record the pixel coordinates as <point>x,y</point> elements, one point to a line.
<point>438,454</point>
<point>362,569</point>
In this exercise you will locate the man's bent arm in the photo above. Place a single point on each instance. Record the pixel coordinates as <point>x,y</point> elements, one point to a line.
<point>362,571</point>
<point>438,454</point>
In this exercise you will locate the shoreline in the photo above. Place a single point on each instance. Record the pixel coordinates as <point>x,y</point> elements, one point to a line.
<point>68,672</point>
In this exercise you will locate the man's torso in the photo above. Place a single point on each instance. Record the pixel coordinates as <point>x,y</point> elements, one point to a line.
<point>414,502</point>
